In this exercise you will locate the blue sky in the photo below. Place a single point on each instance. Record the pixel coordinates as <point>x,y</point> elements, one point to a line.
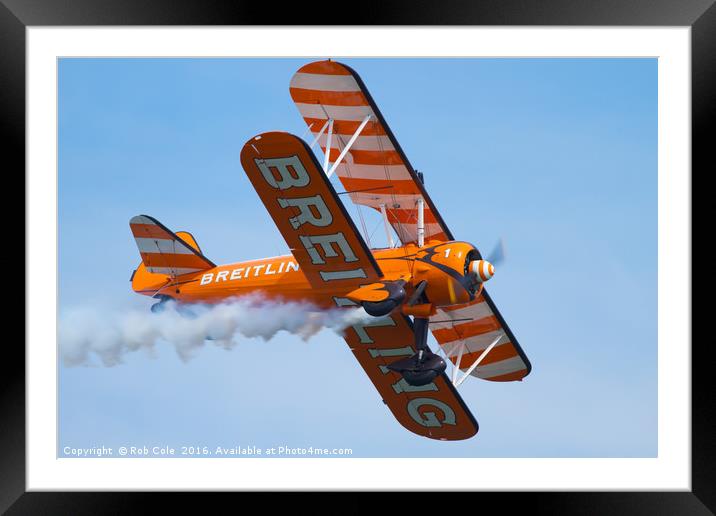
<point>556,156</point>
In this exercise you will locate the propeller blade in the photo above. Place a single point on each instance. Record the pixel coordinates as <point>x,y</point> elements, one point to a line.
<point>497,256</point>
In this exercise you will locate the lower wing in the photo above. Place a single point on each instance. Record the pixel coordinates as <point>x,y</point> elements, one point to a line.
<point>466,331</point>
<point>308,213</point>
<point>434,410</point>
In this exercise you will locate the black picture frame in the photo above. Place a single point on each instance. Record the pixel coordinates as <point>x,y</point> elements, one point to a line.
<point>700,15</point>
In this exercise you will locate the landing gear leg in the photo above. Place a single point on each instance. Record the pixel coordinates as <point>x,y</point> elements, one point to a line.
<point>424,366</point>
<point>420,328</point>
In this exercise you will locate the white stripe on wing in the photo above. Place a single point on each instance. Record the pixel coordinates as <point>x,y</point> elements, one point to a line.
<point>314,81</point>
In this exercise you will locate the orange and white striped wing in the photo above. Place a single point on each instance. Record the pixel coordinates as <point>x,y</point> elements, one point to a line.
<point>474,326</point>
<point>163,252</point>
<point>375,168</point>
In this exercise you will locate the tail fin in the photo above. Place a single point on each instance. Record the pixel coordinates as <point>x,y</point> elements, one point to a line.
<point>165,252</point>
<point>189,239</point>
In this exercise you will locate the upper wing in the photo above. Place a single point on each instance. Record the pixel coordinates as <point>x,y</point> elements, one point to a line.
<point>475,326</point>
<point>307,211</point>
<point>375,169</point>
<point>434,410</point>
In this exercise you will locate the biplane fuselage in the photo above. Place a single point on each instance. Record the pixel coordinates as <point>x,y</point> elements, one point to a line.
<point>430,276</point>
<point>441,264</point>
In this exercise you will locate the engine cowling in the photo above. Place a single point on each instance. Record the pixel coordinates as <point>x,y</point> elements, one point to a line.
<point>445,269</point>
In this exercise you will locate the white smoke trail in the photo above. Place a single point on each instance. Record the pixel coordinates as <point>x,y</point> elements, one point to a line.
<point>87,334</point>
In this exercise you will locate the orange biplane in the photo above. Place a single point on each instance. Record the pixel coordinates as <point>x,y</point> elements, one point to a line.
<point>428,276</point>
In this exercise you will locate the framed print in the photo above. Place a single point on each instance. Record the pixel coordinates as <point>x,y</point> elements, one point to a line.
<point>165,157</point>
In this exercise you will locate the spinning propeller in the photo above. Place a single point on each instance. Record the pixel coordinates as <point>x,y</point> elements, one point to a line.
<point>497,256</point>
<point>483,270</point>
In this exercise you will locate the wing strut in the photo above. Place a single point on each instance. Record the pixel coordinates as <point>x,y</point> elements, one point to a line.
<point>421,222</point>
<point>320,133</point>
<point>475,364</point>
<point>348,145</point>
<point>457,363</point>
<point>327,158</point>
<point>387,225</point>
